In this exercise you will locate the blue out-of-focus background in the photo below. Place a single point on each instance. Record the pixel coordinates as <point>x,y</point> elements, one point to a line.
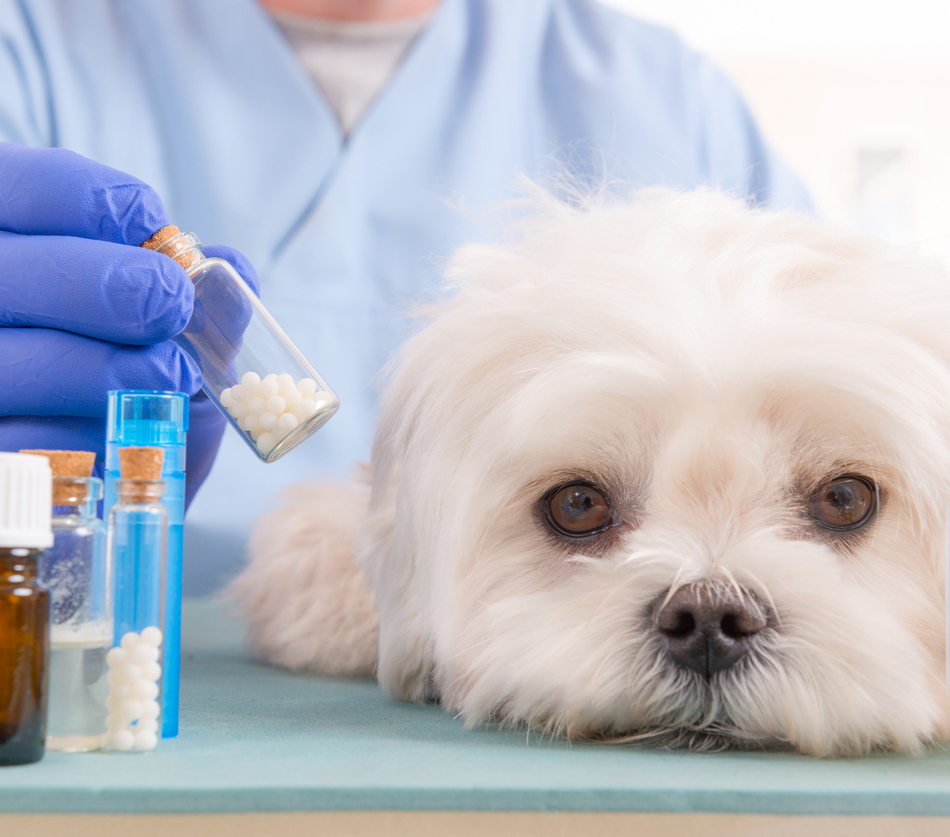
<point>856,95</point>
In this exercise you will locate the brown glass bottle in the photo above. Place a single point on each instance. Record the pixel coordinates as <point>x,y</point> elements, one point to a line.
<point>24,657</point>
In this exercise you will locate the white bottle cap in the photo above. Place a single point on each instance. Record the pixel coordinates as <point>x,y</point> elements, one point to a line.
<point>26,501</point>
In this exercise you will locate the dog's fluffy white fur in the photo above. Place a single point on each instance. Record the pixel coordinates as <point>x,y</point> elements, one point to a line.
<point>707,366</point>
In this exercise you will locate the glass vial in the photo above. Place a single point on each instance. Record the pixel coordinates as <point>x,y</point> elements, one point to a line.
<point>252,371</point>
<point>137,537</point>
<point>25,490</point>
<point>77,571</point>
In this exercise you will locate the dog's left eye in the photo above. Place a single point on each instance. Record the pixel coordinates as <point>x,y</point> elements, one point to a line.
<point>844,503</point>
<point>578,510</point>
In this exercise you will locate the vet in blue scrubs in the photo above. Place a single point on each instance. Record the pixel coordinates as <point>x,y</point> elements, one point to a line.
<point>206,101</point>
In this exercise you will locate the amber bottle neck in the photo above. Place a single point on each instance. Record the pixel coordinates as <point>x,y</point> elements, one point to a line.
<point>15,561</point>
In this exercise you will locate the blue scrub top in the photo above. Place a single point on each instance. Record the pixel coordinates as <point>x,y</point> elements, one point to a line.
<point>205,101</point>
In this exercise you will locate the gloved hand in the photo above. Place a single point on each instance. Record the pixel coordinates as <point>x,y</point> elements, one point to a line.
<point>84,310</point>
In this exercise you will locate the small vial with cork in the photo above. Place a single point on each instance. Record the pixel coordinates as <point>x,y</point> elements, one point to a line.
<point>251,370</point>
<point>137,542</point>
<point>77,572</point>
<point>25,531</point>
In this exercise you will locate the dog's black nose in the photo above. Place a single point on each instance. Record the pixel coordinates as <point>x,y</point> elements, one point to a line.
<point>708,630</point>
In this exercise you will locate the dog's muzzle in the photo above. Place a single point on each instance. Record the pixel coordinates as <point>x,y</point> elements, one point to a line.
<point>706,629</point>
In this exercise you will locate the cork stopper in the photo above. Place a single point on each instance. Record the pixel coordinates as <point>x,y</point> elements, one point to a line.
<point>141,463</point>
<point>170,242</point>
<point>68,463</point>
<point>156,240</point>
<point>67,466</point>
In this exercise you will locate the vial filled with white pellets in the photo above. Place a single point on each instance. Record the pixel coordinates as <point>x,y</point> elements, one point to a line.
<point>137,544</point>
<point>252,371</point>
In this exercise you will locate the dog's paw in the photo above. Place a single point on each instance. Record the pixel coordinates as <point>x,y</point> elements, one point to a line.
<point>306,604</point>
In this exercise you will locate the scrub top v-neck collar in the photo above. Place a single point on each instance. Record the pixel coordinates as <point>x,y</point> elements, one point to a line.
<point>436,50</point>
<point>351,61</point>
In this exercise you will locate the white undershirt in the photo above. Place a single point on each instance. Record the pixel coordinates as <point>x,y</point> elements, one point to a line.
<point>350,61</point>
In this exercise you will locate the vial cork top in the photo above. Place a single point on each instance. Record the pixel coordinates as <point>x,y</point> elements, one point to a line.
<point>142,468</point>
<point>170,242</point>
<point>141,463</point>
<point>67,463</point>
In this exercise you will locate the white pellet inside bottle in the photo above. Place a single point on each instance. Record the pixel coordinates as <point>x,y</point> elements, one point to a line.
<point>269,409</point>
<point>134,672</point>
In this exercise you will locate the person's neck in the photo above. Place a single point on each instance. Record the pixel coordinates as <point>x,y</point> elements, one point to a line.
<point>364,10</point>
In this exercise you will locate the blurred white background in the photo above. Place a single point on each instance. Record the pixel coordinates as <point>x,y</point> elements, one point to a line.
<point>855,95</point>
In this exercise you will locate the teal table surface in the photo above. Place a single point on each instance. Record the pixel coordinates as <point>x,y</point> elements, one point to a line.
<point>255,738</point>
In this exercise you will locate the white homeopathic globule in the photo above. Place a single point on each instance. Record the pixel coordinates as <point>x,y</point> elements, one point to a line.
<point>270,408</point>
<point>133,675</point>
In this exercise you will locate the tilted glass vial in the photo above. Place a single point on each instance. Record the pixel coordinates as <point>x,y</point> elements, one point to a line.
<point>252,371</point>
<point>137,542</point>
<point>25,490</point>
<point>77,572</point>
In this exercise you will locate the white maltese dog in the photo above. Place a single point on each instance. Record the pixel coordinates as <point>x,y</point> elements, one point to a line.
<point>673,471</point>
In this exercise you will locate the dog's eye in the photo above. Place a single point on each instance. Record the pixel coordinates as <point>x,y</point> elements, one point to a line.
<point>578,509</point>
<point>844,503</point>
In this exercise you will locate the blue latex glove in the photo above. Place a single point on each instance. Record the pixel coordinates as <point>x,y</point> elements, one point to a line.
<point>84,310</point>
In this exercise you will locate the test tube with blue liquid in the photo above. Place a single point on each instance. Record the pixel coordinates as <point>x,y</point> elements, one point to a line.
<point>146,418</point>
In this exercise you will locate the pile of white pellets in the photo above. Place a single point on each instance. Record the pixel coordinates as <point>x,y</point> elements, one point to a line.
<point>272,407</point>
<point>134,710</point>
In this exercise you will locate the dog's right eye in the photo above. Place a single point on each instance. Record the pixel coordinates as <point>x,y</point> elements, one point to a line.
<point>844,504</point>
<point>578,510</point>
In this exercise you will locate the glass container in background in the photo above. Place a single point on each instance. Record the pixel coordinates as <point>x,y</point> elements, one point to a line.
<point>25,490</point>
<point>252,371</point>
<point>77,571</point>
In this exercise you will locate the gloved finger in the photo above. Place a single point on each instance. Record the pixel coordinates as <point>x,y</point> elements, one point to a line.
<point>44,372</point>
<point>96,288</point>
<point>52,191</point>
<point>54,433</point>
<point>238,261</point>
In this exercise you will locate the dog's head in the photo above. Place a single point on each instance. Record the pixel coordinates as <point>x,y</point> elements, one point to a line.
<point>674,470</point>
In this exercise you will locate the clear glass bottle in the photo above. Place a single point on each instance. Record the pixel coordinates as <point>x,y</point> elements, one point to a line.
<point>24,606</point>
<point>77,571</point>
<point>252,371</point>
<point>137,542</point>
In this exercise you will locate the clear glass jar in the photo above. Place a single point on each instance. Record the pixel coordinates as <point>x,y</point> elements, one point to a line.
<point>77,571</point>
<point>252,371</point>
